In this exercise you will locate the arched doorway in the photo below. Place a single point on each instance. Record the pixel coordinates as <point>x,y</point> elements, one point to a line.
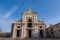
<point>29,33</point>
<point>18,33</point>
<point>41,33</point>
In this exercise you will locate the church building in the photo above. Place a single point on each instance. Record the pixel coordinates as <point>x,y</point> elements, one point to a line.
<point>28,26</point>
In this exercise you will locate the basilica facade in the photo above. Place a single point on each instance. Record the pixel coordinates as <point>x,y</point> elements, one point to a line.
<point>29,26</point>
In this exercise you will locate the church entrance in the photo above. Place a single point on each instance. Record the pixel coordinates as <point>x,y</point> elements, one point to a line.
<point>18,33</point>
<point>29,33</point>
<point>41,33</point>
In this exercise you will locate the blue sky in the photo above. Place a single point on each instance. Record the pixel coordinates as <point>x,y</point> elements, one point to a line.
<point>11,10</point>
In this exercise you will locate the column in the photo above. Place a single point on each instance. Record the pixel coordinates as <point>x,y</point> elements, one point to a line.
<point>14,33</point>
<point>36,31</point>
<point>44,33</point>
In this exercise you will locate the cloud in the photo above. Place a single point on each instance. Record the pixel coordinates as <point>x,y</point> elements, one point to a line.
<point>5,25</point>
<point>11,11</point>
<point>4,22</point>
<point>54,20</point>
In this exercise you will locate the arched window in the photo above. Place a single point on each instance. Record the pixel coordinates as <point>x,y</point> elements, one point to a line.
<point>29,20</point>
<point>29,24</point>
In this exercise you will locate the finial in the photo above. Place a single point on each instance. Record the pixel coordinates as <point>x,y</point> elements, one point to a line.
<point>43,19</point>
<point>15,20</point>
<point>29,8</point>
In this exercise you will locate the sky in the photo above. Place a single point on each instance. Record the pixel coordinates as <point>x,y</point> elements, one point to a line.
<point>11,10</point>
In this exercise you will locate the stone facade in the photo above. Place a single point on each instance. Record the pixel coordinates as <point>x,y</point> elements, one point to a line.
<point>28,26</point>
<point>54,30</point>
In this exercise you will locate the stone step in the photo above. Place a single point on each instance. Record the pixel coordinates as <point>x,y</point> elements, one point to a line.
<point>41,39</point>
<point>29,39</point>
